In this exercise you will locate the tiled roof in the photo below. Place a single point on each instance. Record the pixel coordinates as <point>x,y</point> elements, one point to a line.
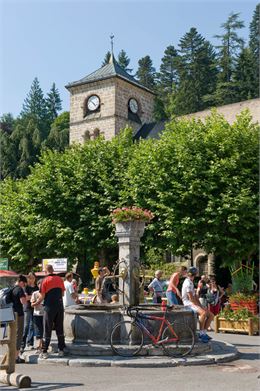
<point>150,130</point>
<point>112,69</point>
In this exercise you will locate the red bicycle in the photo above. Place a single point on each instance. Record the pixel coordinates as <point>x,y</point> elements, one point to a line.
<point>127,337</point>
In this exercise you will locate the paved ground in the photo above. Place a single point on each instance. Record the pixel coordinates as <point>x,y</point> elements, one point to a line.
<point>241,374</point>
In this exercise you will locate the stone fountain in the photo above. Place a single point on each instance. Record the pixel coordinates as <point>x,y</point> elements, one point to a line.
<point>88,326</point>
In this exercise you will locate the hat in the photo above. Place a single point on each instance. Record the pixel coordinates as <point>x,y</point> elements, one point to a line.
<point>193,270</point>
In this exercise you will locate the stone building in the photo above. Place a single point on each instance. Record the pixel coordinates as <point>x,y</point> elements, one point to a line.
<point>108,99</point>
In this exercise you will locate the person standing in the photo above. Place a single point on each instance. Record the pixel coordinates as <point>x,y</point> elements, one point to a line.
<point>18,299</point>
<point>51,291</point>
<point>172,290</point>
<point>191,302</point>
<point>202,290</point>
<point>28,332</point>
<point>215,293</point>
<point>38,312</point>
<point>156,287</point>
<point>102,295</point>
<point>70,296</point>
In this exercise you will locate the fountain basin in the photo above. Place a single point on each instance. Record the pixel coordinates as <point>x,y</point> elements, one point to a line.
<point>93,323</point>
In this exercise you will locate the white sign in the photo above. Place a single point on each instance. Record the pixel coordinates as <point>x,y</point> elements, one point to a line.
<point>58,264</point>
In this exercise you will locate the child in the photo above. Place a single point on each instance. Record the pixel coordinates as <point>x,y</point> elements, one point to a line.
<point>38,317</point>
<point>114,299</point>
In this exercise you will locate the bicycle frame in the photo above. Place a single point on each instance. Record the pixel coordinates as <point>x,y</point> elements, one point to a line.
<point>155,340</point>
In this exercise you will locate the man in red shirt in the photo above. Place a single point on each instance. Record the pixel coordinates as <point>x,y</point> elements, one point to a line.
<point>51,291</point>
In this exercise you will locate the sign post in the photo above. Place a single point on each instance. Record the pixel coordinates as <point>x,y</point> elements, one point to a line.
<point>59,264</point>
<point>3,263</point>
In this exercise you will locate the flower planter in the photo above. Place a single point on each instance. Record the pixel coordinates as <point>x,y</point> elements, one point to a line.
<point>249,326</point>
<point>250,305</point>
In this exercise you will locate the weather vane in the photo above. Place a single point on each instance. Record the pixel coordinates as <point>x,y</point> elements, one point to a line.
<point>112,43</point>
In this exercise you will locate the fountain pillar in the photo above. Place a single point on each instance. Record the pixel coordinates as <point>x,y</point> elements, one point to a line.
<point>129,234</point>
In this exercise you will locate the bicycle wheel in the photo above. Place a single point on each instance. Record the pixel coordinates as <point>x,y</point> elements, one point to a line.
<point>180,342</point>
<point>126,339</point>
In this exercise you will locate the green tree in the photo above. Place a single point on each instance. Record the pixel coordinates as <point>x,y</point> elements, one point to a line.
<point>201,182</point>
<point>53,103</point>
<point>106,59</point>
<point>197,73</point>
<point>254,33</point>
<point>168,75</point>
<point>26,140</point>
<point>124,61</point>
<point>35,104</point>
<point>231,44</point>
<point>146,72</point>
<point>7,123</point>
<point>8,156</point>
<point>245,75</point>
<point>254,43</point>
<point>167,80</point>
<point>63,208</point>
<point>7,150</point>
<point>58,138</point>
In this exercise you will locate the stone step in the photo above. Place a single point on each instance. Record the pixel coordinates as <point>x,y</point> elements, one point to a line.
<point>77,349</point>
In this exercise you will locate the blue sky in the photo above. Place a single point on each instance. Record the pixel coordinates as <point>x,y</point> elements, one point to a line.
<point>64,40</point>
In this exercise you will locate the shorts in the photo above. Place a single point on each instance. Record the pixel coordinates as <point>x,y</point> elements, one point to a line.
<point>38,326</point>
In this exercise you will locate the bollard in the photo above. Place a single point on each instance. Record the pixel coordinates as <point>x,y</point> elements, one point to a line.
<point>7,374</point>
<point>15,379</point>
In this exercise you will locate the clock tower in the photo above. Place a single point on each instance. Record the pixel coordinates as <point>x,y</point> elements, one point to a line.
<point>106,101</point>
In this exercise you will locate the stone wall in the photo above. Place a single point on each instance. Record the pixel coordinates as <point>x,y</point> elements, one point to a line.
<point>231,111</point>
<point>114,95</point>
<point>145,99</point>
<point>103,120</point>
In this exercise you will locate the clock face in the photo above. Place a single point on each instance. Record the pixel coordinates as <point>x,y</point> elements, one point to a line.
<point>133,105</point>
<point>93,103</point>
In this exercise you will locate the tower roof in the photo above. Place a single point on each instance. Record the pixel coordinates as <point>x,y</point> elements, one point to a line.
<point>112,69</point>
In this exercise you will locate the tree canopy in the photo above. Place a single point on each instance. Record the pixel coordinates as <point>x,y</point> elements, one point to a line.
<point>200,180</point>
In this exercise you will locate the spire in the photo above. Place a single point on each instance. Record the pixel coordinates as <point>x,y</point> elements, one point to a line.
<point>112,58</point>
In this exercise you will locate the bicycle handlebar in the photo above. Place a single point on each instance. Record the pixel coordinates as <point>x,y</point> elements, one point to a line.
<point>136,309</point>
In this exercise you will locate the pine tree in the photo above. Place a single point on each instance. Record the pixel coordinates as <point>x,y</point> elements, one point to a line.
<point>7,123</point>
<point>254,32</point>
<point>168,75</point>
<point>246,76</point>
<point>197,73</point>
<point>35,104</point>
<point>106,59</point>
<point>231,44</point>
<point>146,72</point>
<point>53,103</point>
<point>124,61</point>
<point>254,45</point>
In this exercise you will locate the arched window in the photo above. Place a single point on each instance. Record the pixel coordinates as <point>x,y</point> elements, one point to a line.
<point>96,133</point>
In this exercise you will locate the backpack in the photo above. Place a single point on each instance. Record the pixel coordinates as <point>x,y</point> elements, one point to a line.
<point>211,298</point>
<point>6,297</point>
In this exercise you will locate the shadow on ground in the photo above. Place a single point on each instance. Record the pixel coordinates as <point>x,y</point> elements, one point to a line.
<point>248,356</point>
<point>44,386</point>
